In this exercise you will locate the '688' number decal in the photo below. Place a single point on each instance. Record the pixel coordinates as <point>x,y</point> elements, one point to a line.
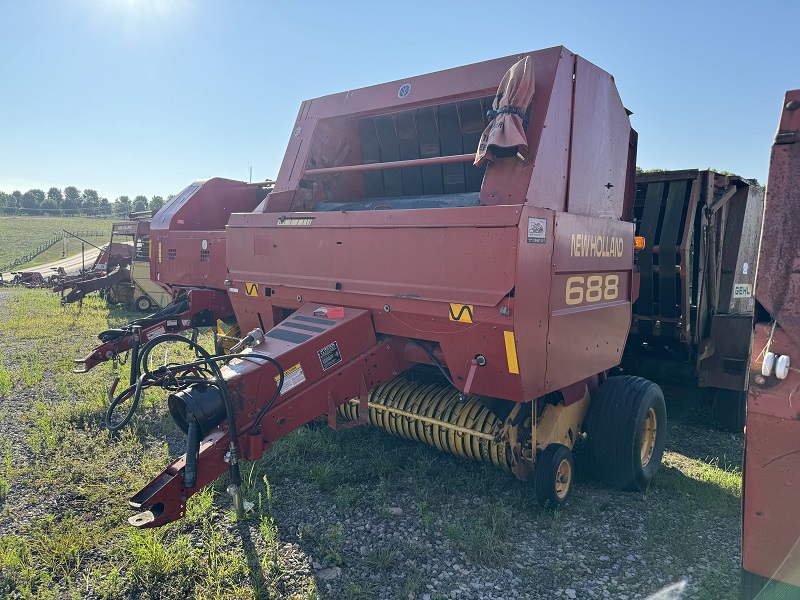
<point>592,288</point>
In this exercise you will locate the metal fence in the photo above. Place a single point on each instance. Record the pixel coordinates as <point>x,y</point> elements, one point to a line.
<point>48,244</point>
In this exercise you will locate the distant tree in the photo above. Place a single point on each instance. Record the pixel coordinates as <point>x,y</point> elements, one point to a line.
<point>8,203</point>
<point>122,207</point>
<point>72,200</point>
<point>49,207</point>
<point>32,201</point>
<point>13,202</point>
<point>156,202</point>
<point>54,194</point>
<point>90,201</point>
<point>105,207</point>
<point>140,203</point>
<point>39,194</point>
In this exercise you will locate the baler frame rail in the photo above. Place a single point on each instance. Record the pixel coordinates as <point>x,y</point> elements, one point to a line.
<point>194,309</point>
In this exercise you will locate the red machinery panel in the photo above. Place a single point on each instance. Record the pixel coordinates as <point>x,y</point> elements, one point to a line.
<point>771,482</point>
<point>771,527</point>
<point>188,233</point>
<point>778,284</point>
<point>599,149</point>
<point>590,298</point>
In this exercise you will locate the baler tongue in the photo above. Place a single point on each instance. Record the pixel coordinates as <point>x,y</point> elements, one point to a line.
<point>314,353</point>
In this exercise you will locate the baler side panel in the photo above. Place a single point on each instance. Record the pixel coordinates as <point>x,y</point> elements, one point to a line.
<point>189,258</point>
<point>600,140</point>
<point>590,297</point>
<point>548,183</point>
<point>532,298</point>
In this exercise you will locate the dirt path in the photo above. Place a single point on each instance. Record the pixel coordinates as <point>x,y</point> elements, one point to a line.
<point>71,264</point>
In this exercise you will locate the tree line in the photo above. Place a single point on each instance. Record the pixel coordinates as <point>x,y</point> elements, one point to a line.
<point>72,201</point>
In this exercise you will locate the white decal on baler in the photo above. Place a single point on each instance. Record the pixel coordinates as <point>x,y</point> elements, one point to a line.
<point>537,230</point>
<point>155,332</point>
<point>292,377</point>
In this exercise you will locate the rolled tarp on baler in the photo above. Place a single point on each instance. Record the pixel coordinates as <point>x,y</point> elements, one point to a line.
<point>505,134</point>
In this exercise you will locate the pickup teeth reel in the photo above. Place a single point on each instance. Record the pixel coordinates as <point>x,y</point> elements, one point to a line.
<point>430,412</point>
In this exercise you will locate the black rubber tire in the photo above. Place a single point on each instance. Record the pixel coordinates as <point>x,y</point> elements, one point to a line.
<point>614,425</point>
<point>545,479</point>
<point>143,304</point>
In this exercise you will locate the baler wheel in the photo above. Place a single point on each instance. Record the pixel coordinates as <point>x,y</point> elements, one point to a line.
<point>626,430</point>
<point>554,475</point>
<point>143,304</point>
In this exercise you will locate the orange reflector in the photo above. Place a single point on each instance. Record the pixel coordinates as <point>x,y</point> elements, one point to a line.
<point>638,243</point>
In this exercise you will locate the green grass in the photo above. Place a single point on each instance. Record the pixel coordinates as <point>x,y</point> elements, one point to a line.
<point>5,378</point>
<point>84,469</point>
<point>21,235</point>
<point>5,467</point>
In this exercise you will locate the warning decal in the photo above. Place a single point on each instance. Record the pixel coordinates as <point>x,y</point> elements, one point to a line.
<point>251,289</point>
<point>329,356</point>
<point>155,332</point>
<point>292,377</point>
<point>462,313</point>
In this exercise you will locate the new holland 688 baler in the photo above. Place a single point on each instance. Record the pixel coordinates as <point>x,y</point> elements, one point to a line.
<point>383,255</point>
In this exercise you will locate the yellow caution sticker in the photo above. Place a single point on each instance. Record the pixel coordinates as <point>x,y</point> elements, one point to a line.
<point>251,289</point>
<point>461,313</point>
<point>511,352</point>
<point>292,377</point>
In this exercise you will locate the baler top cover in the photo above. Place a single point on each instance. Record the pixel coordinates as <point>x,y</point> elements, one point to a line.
<point>578,137</point>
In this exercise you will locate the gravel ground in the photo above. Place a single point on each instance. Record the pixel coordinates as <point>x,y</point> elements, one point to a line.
<point>449,530</point>
<point>601,546</point>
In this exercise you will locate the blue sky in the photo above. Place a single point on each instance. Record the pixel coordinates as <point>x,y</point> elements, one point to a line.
<point>144,96</point>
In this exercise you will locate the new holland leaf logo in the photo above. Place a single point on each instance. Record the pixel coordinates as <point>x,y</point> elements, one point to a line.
<point>461,313</point>
<point>251,289</point>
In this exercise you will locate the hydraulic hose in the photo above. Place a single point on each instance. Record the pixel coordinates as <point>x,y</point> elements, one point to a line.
<point>176,377</point>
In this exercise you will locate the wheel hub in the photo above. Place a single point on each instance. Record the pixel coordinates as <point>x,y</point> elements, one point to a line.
<point>649,434</point>
<point>563,479</point>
